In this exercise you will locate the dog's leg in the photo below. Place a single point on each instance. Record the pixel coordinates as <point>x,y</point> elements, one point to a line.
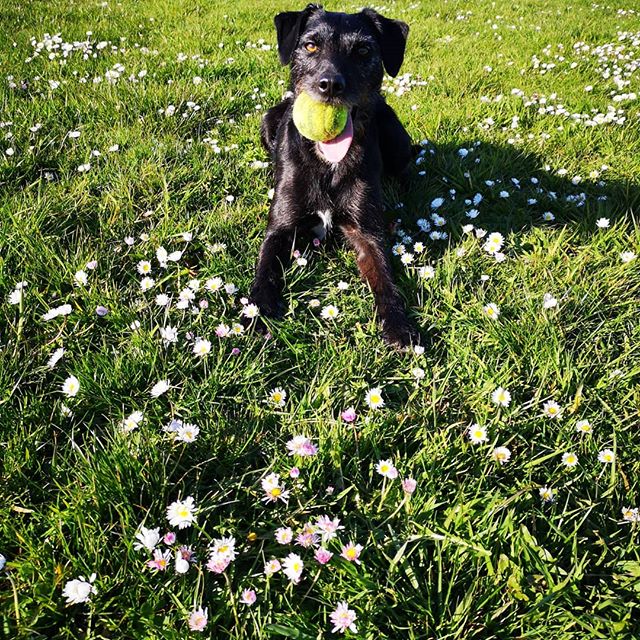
<point>375,268</point>
<point>266,291</point>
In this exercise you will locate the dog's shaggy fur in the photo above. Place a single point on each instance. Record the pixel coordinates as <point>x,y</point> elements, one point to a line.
<point>337,58</point>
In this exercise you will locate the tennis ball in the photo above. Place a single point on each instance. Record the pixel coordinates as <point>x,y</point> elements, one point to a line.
<point>317,120</point>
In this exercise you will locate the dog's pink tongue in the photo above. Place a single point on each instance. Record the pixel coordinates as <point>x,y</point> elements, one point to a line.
<point>336,149</point>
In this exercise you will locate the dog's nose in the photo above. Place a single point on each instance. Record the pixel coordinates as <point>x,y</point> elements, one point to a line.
<point>331,86</point>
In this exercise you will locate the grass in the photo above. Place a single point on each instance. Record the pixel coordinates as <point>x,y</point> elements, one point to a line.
<point>474,552</point>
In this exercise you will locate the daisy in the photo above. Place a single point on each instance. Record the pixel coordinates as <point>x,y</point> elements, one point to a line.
<point>71,386</point>
<point>548,301</point>
<point>201,347</point>
<point>63,310</point>
<point>409,485</point>
<point>273,490</point>
<point>627,256</point>
<point>160,560</point>
<point>418,373</point>
<point>16,296</point>
<point>569,459</point>
<point>224,548</point>
<point>79,590</point>
<point>293,567</point>
<point>330,312</point>
<point>584,426</point>
<point>277,397</point>
<point>198,619</point>
<point>169,334</point>
<point>162,300</point>
<point>501,397</point>
<point>185,297</point>
<point>214,284</point>
<point>159,388</point>
<point>427,272</point>
<point>491,310</point>
<point>250,311</point>
<point>322,555</point>
<point>547,494</point>
<point>55,357</point>
<point>501,454</point>
<point>80,278</point>
<point>630,514</point>
<point>222,330</point>
<point>217,563</point>
<point>385,468</point>
<point>271,567</point>
<point>146,283</point>
<point>477,434</point>
<point>284,535</point>
<point>328,527</point>
<point>343,618</point>
<point>349,415</point>
<point>602,223</point>
<point>552,409</point>
<point>187,433</point>
<point>301,446</point>
<point>144,267</point>
<point>494,243</point>
<point>132,421</point>
<point>182,513</point>
<point>248,597</point>
<point>547,216</point>
<point>351,552</point>
<point>606,456</point>
<point>308,537</point>
<point>373,398</point>
<point>181,564</point>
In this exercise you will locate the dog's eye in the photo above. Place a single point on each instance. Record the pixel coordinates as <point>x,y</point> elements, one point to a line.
<point>311,47</point>
<point>363,51</point>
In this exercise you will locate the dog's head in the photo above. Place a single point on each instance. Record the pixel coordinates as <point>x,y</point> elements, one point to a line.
<point>338,57</point>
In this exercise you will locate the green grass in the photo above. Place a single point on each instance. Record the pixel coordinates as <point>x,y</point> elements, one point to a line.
<point>475,552</point>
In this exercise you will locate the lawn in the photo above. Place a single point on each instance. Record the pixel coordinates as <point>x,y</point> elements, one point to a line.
<point>196,475</point>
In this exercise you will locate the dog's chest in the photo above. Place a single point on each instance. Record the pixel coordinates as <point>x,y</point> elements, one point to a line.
<point>326,220</point>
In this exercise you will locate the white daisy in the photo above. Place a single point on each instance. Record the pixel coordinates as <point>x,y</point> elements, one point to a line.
<point>374,399</point>
<point>182,513</point>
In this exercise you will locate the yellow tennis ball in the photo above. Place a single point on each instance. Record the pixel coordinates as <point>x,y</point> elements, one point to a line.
<point>317,120</point>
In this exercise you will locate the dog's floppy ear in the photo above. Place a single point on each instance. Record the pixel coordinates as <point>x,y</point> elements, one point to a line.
<point>289,25</point>
<point>392,36</point>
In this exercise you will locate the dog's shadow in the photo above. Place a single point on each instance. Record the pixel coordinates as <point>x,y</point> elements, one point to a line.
<point>510,189</point>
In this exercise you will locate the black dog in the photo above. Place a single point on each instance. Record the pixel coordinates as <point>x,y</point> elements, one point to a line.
<point>337,58</point>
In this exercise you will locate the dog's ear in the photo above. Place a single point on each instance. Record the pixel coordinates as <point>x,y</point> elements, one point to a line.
<point>289,25</point>
<point>392,37</point>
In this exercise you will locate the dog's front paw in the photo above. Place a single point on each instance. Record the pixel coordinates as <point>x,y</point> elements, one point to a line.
<point>400,334</point>
<point>268,301</point>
